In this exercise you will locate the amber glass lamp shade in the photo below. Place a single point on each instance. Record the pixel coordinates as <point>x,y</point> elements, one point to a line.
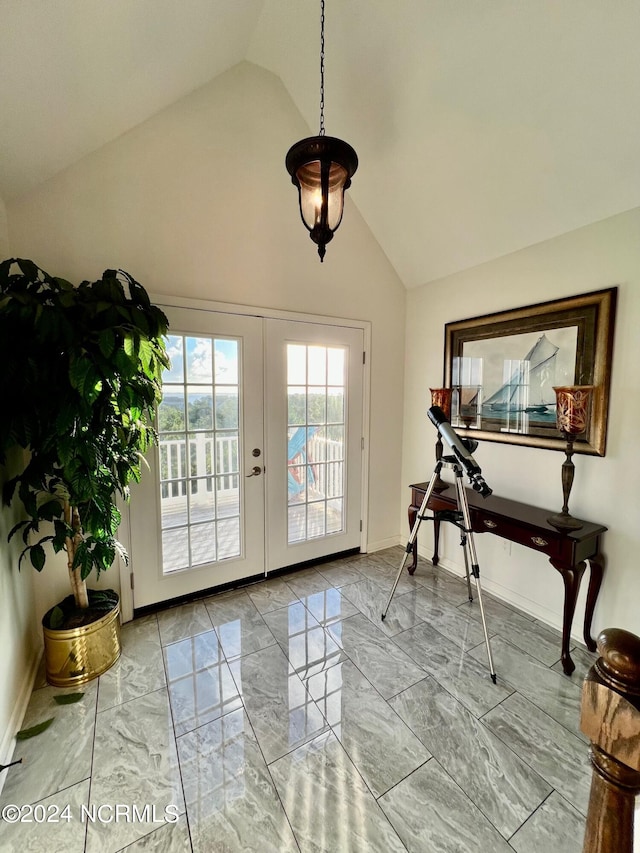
<point>572,408</point>
<point>572,417</point>
<point>321,167</point>
<point>441,397</point>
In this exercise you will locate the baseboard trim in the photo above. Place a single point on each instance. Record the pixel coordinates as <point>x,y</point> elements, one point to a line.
<point>508,596</point>
<point>391,542</point>
<point>8,744</point>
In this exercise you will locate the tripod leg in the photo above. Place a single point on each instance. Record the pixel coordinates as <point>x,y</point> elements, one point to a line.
<point>463,506</point>
<point>414,534</point>
<point>484,624</point>
<point>463,542</point>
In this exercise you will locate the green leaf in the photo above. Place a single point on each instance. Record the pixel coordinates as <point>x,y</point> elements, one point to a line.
<point>37,556</point>
<point>49,510</point>
<point>15,529</point>
<point>68,698</point>
<point>28,268</point>
<point>5,268</point>
<point>146,353</point>
<point>84,560</point>
<point>103,599</point>
<point>65,419</point>
<point>122,363</point>
<point>121,552</point>
<point>56,619</point>
<point>93,387</point>
<point>61,534</point>
<point>129,346</point>
<point>115,519</point>
<point>78,371</point>
<point>25,734</point>
<point>107,342</point>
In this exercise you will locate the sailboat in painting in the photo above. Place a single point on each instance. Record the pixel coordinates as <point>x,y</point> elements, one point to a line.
<point>530,386</point>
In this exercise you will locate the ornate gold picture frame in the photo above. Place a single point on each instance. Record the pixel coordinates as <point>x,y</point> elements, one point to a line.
<point>564,342</point>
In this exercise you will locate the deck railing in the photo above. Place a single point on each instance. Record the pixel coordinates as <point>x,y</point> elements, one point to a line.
<point>610,718</point>
<point>178,458</point>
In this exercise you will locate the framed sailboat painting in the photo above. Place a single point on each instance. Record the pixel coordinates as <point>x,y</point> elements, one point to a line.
<point>503,367</point>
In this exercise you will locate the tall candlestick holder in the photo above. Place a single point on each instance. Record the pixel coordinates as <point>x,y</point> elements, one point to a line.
<point>441,397</point>
<point>572,408</point>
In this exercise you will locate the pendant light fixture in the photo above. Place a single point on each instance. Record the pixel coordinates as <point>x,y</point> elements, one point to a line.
<point>321,167</point>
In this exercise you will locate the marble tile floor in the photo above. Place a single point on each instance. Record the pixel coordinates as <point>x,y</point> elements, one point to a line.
<point>284,716</point>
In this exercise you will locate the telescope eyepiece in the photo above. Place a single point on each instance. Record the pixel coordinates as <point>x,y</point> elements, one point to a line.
<point>479,484</point>
<point>462,450</point>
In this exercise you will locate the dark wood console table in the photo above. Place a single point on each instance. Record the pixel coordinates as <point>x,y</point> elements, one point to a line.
<point>527,525</point>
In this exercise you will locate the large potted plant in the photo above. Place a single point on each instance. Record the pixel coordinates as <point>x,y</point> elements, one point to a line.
<point>80,378</point>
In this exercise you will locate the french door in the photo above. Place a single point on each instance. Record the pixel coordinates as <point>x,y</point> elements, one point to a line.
<point>259,460</point>
<point>313,405</point>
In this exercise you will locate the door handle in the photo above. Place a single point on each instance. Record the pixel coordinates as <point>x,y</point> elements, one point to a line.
<point>255,472</point>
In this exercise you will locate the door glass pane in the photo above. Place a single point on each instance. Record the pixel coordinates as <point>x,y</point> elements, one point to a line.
<point>226,362</point>
<point>198,447</point>
<point>297,365</point>
<point>201,501</point>
<point>315,433</point>
<point>175,549</point>
<point>317,363</point>
<point>334,515</point>
<point>203,543</point>
<point>297,405</point>
<point>171,409</point>
<point>297,524</point>
<point>175,351</point>
<point>199,408</point>
<point>227,496</point>
<point>227,407</point>
<point>335,405</point>
<point>335,366</point>
<point>316,405</point>
<point>199,360</point>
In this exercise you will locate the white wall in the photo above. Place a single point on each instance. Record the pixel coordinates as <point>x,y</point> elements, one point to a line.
<point>4,232</point>
<point>197,202</point>
<point>19,635</point>
<point>605,490</point>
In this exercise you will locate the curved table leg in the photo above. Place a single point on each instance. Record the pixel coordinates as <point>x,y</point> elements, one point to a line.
<point>571,575</point>
<point>596,571</point>
<point>413,513</point>
<point>436,540</point>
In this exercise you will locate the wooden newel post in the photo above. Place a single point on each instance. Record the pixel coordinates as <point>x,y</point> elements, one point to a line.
<point>610,718</point>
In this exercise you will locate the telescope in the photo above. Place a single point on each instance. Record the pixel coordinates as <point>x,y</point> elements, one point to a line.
<point>461,449</point>
<point>461,460</point>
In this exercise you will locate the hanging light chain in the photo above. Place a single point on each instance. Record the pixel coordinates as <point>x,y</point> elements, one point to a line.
<point>321,167</point>
<point>321,68</point>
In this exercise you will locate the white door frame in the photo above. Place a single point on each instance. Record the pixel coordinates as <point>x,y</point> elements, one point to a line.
<point>126,593</point>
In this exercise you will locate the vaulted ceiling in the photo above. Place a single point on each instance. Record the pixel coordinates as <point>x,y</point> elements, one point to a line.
<point>482,126</point>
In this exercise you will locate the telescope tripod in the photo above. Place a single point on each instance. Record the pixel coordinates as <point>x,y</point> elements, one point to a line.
<point>462,519</point>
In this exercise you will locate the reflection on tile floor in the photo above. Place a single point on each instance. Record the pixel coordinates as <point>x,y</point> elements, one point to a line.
<point>285,716</point>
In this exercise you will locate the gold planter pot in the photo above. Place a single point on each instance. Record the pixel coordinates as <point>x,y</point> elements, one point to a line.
<point>76,655</point>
